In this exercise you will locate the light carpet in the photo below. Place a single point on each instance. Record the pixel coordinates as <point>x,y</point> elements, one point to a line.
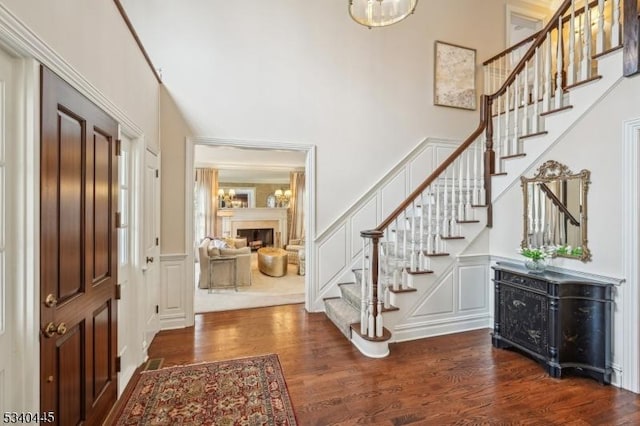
<point>263,291</point>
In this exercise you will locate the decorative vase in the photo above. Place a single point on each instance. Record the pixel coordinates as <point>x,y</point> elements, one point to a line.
<point>536,266</point>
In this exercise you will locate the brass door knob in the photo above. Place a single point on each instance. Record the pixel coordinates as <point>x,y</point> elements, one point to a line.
<point>62,329</point>
<point>50,301</point>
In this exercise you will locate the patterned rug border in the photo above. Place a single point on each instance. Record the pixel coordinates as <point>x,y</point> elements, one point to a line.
<point>127,396</point>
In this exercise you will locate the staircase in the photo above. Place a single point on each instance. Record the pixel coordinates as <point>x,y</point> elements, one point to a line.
<point>404,288</point>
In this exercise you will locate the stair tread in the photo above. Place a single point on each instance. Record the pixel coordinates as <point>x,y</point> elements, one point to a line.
<point>403,290</point>
<point>418,272</point>
<point>440,254</point>
<point>386,334</point>
<point>553,111</point>
<point>467,221</point>
<point>582,82</point>
<point>507,157</point>
<point>533,135</point>
<point>452,237</point>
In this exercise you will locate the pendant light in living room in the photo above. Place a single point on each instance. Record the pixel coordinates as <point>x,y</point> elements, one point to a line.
<point>380,13</point>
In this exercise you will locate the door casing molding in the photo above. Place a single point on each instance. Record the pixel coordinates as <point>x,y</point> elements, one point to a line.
<point>309,207</point>
<point>630,291</point>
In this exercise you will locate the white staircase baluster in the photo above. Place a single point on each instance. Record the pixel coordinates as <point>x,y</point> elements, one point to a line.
<point>525,101</point>
<point>546,75</point>
<point>600,31</point>
<point>363,290</point>
<point>571,65</point>
<point>585,66</point>
<point>404,243</point>
<point>430,242</point>
<point>503,149</point>
<point>379,322</point>
<point>513,149</point>
<point>454,206</point>
<point>615,24</point>
<point>558,93</point>
<point>396,258</point>
<point>482,144</point>
<point>460,212</point>
<point>412,257</point>
<point>438,233</point>
<point>371,326</point>
<point>477,157</point>
<point>421,236</point>
<point>467,207</point>
<point>536,91</point>
<point>445,216</point>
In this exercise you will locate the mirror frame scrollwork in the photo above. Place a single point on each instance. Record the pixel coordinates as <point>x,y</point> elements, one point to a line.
<point>552,171</point>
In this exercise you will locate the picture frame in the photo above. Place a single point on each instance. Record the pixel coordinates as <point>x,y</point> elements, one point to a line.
<point>454,76</point>
<point>244,198</point>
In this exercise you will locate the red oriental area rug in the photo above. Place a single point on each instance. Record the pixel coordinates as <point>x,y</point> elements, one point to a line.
<point>248,391</point>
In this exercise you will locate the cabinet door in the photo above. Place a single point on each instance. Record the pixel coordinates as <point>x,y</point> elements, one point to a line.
<point>584,334</point>
<point>524,317</point>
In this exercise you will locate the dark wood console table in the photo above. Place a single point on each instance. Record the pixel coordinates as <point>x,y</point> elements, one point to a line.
<point>562,321</point>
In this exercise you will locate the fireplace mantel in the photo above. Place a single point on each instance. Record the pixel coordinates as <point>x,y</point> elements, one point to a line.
<point>264,217</point>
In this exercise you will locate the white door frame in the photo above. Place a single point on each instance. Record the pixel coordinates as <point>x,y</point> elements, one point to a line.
<point>630,290</point>
<point>526,13</point>
<point>309,208</point>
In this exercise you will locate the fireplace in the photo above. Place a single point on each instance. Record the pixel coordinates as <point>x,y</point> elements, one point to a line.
<point>258,237</point>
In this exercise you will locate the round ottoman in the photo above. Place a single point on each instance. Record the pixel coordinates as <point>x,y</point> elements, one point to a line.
<point>272,261</point>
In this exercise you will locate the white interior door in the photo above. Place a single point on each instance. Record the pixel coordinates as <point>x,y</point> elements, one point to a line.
<point>151,246</point>
<point>9,358</point>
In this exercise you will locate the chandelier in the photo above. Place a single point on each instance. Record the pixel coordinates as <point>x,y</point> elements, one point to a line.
<point>380,13</point>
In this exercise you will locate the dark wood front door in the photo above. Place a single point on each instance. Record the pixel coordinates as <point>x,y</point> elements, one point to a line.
<point>78,246</point>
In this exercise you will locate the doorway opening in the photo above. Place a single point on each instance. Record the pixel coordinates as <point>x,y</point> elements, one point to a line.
<point>279,182</point>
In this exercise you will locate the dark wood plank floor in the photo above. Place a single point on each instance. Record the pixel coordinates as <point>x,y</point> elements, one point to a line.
<point>455,379</point>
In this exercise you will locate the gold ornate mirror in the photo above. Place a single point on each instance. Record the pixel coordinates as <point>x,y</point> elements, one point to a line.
<point>555,210</point>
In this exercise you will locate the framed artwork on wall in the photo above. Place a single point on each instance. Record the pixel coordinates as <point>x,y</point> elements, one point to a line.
<point>454,76</point>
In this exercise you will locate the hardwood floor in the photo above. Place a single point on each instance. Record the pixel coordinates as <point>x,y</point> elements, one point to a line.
<point>455,379</point>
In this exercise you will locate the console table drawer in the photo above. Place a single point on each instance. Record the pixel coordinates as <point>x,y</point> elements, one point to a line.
<point>523,280</point>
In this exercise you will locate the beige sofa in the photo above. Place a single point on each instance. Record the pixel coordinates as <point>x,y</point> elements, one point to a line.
<point>222,272</point>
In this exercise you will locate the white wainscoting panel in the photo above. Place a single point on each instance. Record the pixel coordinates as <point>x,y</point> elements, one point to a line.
<point>439,300</point>
<point>363,218</point>
<point>473,286</point>
<point>332,256</point>
<point>393,193</point>
<point>173,306</point>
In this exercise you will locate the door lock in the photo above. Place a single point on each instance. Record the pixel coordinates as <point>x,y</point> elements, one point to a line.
<point>149,259</point>
<point>51,329</point>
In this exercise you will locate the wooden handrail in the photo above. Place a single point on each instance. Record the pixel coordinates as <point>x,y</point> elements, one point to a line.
<point>443,166</point>
<point>512,48</point>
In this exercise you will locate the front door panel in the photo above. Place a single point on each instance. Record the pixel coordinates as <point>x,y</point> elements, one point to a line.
<point>79,187</point>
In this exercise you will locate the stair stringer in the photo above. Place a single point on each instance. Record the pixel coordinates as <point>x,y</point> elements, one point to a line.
<point>582,99</point>
<point>418,317</point>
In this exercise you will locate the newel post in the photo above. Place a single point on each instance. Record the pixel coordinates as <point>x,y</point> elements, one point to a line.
<point>486,115</point>
<point>374,308</point>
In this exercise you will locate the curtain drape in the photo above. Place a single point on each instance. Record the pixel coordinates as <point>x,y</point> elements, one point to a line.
<point>206,200</point>
<point>296,205</point>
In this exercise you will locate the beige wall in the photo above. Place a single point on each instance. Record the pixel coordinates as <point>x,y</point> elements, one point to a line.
<point>92,37</point>
<point>174,132</point>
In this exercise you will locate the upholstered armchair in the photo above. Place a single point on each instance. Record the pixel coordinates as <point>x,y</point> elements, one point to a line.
<point>293,249</point>
<point>222,273</point>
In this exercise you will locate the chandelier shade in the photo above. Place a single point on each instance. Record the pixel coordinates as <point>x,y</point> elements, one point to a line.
<point>380,13</point>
